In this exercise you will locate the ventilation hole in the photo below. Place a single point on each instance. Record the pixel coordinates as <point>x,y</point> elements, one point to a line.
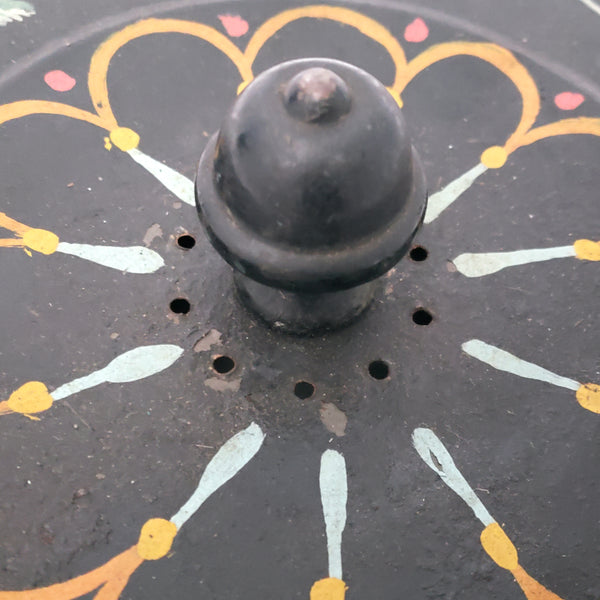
<point>304,390</point>
<point>180,306</point>
<point>422,317</point>
<point>223,364</point>
<point>379,369</point>
<point>418,253</point>
<point>186,241</point>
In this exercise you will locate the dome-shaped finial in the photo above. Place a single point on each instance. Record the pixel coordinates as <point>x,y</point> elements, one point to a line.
<point>311,190</point>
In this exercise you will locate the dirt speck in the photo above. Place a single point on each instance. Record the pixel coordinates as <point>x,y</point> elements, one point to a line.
<point>80,493</point>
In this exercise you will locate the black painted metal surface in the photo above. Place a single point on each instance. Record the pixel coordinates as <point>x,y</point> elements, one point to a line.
<point>79,484</point>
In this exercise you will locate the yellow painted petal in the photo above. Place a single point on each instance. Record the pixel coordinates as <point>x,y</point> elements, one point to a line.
<point>156,538</point>
<point>328,589</point>
<point>587,249</point>
<point>31,397</point>
<point>588,395</point>
<point>497,544</point>
<point>41,240</point>
<point>124,138</point>
<point>494,157</point>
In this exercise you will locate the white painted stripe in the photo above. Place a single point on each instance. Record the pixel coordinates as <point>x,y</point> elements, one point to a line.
<point>234,454</point>
<point>175,182</point>
<point>132,259</point>
<point>504,361</point>
<point>433,452</point>
<point>441,200</point>
<point>132,365</point>
<point>478,265</point>
<point>77,385</point>
<point>14,14</point>
<point>334,496</point>
<point>591,5</point>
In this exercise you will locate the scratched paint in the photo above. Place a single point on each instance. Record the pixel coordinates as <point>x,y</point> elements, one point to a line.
<point>14,10</point>
<point>435,455</point>
<point>493,538</point>
<point>139,363</point>
<point>157,534</point>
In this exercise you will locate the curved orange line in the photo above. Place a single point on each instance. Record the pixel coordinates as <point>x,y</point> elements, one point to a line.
<point>11,243</point>
<point>581,125</point>
<point>22,108</point>
<point>15,226</point>
<point>497,56</point>
<point>118,569</point>
<point>97,83</point>
<point>532,588</point>
<point>364,24</point>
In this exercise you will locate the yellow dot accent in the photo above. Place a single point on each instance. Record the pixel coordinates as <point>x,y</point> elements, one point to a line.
<point>497,544</point>
<point>587,249</point>
<point>124,138</point>
<point>494,157</point>
<point>107,143</point>
<point>396,97</point>
<point>31,397</point>
<point>242,87</point>
<point>328,589</point>
<point>588,395</point>
<point>156,538</point>
<point>41,240</point>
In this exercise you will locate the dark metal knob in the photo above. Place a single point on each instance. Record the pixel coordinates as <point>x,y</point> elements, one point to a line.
<point>311,190</point>
<point>317,94</point>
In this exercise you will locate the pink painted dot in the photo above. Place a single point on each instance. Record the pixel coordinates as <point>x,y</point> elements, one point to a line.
<point>568,100</point>
<point>59,81</point>
<point>417,31</point>
<point>234,25</point>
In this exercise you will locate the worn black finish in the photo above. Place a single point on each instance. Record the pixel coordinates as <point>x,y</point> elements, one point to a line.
<point>312,187</point>
<point>76,487</point>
